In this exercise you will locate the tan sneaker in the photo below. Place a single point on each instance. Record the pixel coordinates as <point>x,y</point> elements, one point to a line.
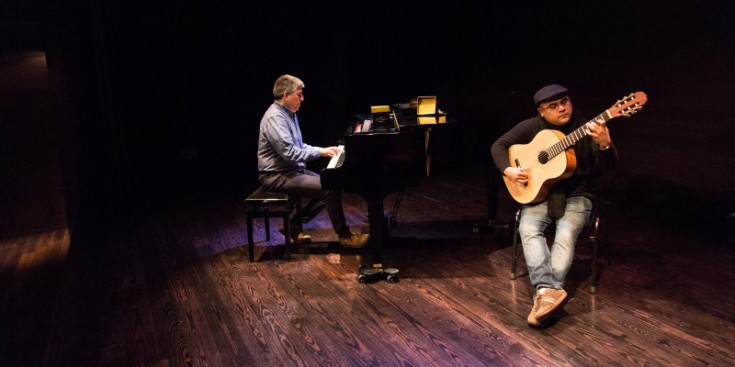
<point>354,240</point>
<point>297,234</point>
<point>532,320</point>
<point>548,302</point>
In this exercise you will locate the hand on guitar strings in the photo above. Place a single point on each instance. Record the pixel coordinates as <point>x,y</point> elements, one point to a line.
<point>518,175</point>
<point>599,132</point>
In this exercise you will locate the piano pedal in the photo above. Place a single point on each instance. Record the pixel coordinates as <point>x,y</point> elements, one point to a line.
<point>369,274</point>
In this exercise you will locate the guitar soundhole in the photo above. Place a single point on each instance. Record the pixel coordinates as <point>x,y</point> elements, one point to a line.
<point>543,157</point>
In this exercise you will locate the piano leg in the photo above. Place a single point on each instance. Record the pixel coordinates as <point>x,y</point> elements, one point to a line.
<point>372,268</point>
<point>376,219</point>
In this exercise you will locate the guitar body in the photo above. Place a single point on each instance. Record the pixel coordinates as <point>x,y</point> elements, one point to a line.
<point>541,176</point>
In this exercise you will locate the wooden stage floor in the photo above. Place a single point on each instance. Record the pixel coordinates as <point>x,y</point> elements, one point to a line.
<point>176,289</point>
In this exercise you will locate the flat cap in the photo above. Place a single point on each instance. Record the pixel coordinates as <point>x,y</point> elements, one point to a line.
<point>548,93</point>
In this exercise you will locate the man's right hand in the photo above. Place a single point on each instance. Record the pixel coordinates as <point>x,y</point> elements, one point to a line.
<point>329,152</point>
<point>516,174</point>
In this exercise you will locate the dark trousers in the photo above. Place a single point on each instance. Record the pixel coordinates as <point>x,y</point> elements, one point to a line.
<point>308,184</point>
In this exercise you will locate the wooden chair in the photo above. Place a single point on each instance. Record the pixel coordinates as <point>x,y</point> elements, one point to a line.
<point>595,232</point>
<point>267,204</point>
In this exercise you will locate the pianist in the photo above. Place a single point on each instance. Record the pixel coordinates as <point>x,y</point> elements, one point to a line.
<point>282,157</point>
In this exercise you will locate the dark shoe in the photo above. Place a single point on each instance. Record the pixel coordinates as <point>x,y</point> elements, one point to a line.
<point>297,234</point>
<point>547,303</point>
<point>354,240</point>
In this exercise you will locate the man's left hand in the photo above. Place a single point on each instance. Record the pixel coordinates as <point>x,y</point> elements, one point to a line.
<point>599,133</point>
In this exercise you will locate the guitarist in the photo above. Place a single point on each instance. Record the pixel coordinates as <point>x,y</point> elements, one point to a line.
<point>568,203</point>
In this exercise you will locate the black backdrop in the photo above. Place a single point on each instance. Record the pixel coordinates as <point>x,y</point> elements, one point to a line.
<point>164,98</point>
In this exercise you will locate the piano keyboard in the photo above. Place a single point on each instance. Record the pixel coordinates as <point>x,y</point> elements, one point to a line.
<point>338,159</point>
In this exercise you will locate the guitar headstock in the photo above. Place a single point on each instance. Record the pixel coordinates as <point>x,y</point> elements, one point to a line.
<point>628,105</point>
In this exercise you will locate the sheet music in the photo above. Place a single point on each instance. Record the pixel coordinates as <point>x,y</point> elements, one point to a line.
<point>338,159</point>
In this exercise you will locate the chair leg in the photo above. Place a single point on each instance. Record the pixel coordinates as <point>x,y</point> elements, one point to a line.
<point>593,286</point>
<point>515,254</point>
<point>250,235</point>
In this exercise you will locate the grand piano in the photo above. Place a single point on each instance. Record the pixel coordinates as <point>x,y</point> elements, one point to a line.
<point>382,153</point>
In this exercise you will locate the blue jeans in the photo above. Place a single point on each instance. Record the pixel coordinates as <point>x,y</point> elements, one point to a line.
<point>548,267</point>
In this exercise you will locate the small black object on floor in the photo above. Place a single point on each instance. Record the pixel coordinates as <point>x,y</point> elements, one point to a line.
<point>369,274</point>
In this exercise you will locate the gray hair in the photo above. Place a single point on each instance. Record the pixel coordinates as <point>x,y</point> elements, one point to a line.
<point>286,84</point>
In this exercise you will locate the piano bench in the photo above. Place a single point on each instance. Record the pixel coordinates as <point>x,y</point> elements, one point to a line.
<point>267,204</point>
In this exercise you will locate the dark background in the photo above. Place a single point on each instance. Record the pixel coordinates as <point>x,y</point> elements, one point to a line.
<point>158,103</point>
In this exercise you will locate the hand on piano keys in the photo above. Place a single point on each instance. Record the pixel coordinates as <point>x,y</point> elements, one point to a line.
<point>338,158</point>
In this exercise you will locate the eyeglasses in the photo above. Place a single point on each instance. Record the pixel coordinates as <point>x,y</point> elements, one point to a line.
<point>555,105</point>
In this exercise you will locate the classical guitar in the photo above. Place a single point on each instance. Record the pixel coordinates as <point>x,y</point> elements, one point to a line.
<point>549,156</point>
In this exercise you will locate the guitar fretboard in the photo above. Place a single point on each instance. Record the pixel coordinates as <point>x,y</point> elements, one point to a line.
<point>572,138</point>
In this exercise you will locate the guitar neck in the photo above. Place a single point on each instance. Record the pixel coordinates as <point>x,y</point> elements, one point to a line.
<point>576,135</point>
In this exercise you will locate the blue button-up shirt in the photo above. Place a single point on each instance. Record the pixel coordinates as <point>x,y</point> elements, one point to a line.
<point>280,144</point>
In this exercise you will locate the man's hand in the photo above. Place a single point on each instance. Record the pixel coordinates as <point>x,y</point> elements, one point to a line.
<point>516,174</point>
<point>329,152</point>
<point>599,133</point>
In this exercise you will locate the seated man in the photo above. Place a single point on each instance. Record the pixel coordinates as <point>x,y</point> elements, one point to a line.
<point>569,201</point>
<point>282,157</point>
